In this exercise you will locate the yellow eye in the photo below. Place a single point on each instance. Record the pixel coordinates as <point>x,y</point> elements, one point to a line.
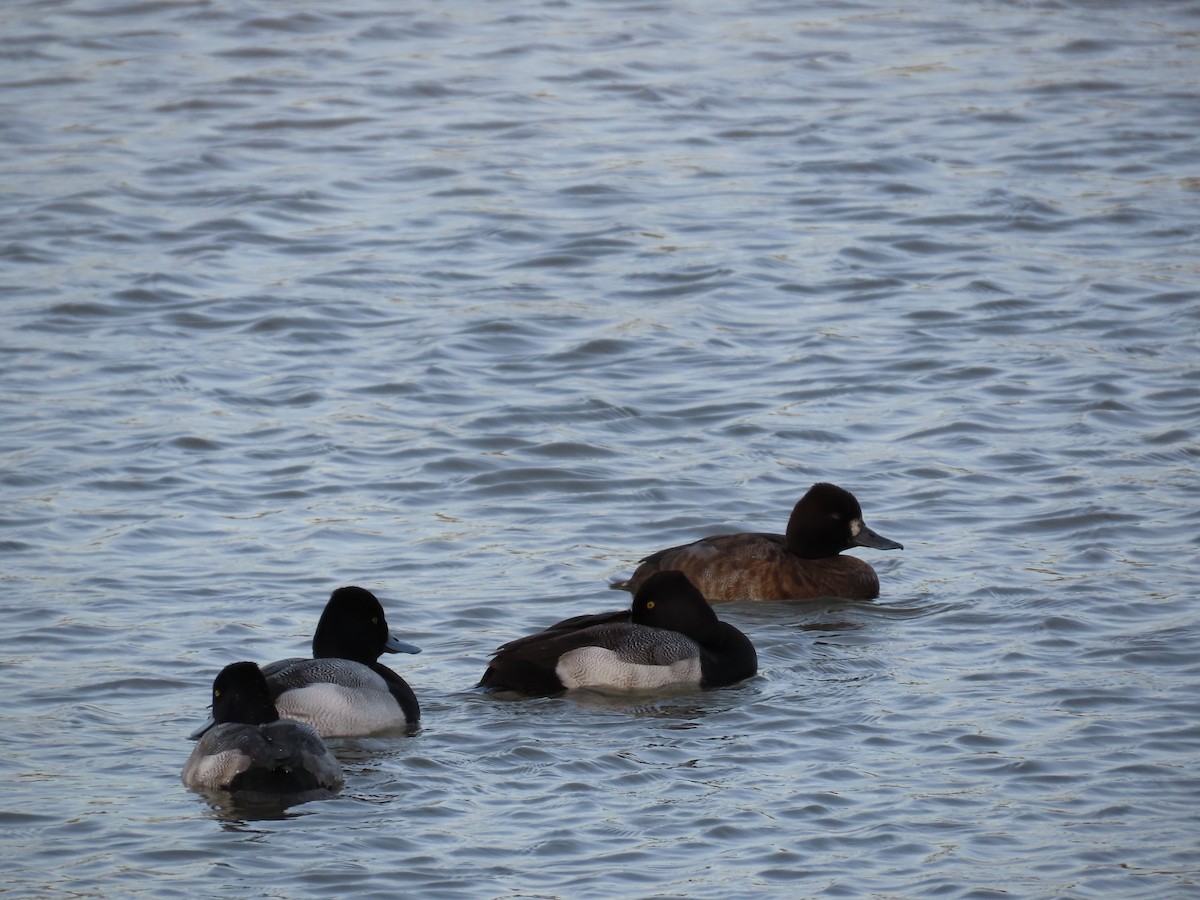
<point>375,621</point>
<point>216,694</point>
<point>649,604</point>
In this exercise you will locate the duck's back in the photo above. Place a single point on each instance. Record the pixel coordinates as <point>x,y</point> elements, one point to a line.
<point>277,760</point>
<point>298,672</point>
<point>758,566</point>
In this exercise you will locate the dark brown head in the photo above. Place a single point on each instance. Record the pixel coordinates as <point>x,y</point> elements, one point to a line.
<point>828,520</point>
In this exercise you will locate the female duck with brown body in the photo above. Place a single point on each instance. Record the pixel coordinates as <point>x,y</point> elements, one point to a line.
<point>801,565</point>
<point>252,754</point>
<point>671,636</point>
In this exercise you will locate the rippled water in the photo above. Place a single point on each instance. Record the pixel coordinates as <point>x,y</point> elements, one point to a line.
<point>475,304</point>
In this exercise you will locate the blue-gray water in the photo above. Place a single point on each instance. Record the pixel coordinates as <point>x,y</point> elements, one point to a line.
<point>474,304</point>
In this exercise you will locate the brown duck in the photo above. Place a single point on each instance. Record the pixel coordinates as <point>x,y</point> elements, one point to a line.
<point>800,565</point>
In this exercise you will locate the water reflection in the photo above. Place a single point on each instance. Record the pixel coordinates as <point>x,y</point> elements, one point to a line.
<point>235,813</point>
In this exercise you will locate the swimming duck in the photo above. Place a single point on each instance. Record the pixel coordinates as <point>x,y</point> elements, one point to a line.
<point>670,636</point>
<point>344,691</point>
<point>803,564</point>
<point>253,754</point>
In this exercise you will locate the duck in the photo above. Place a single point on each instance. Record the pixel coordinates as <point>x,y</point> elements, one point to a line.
<point>343,691</point>
<point>670,636</point>
<point>254,755</point>
<point>803,564</point>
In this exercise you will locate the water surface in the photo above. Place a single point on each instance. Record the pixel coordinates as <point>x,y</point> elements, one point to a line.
<point>477,304</point>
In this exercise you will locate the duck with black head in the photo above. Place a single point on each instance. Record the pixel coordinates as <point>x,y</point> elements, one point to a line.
<point>805,563</point>
<point>343,690</point>
<point>670,636</point>
<point>254,756</point>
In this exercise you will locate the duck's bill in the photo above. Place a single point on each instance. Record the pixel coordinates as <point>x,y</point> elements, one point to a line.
<point>395,645</point>
<point>199,732</point>
<point>868,538</point>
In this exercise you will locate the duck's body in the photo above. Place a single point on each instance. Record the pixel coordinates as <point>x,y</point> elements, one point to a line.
<point>803,564</point>
<point>669,637</point>
<point>342,697</point>
<point>758,566</point>
<point>252,754</point>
